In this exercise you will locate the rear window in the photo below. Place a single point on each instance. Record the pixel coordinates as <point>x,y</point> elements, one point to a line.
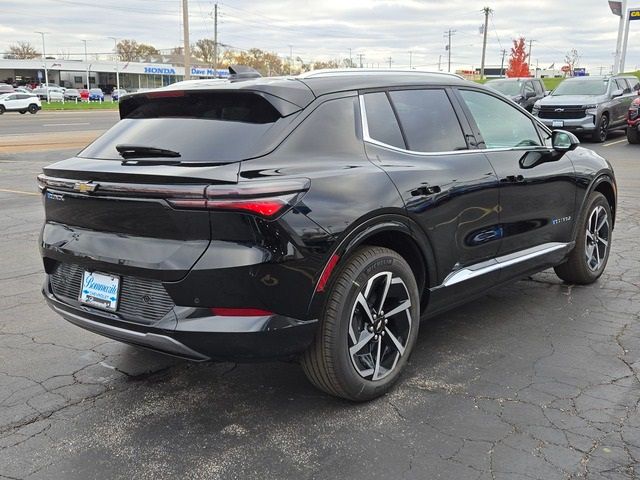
<point>201,126</point>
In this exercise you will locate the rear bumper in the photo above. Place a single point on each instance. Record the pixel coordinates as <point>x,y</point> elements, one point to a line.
<point>197,336</point>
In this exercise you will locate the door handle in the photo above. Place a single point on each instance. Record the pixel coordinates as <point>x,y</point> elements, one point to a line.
<point>426,190</point>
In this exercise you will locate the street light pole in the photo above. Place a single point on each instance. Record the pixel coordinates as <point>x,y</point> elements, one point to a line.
<point>115,48</point>
<point>86,61</point>
<point>46,72</point>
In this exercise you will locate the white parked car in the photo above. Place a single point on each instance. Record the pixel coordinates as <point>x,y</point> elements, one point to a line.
<point>19,102</point>
<point>56,94</point>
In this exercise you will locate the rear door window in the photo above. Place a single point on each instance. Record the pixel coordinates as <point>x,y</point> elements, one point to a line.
<point>381,121</point>
<point>200,126</point>
<point>428,120</point>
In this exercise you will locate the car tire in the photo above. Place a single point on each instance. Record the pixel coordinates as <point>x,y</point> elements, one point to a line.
<point>633,135</point>
<point>22,112</point>
<point>589,257</point>
<point>359,351</point>
<point>602,129</point>
<point>33,109</point>
<point>2,109</point>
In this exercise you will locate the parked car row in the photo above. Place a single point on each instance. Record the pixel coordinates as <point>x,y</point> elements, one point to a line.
<point>56,93</point>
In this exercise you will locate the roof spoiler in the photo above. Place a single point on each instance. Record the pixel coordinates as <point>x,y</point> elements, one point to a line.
<point>242,72</point>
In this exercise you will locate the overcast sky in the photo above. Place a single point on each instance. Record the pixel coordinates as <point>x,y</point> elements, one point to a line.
<point>327,29</point>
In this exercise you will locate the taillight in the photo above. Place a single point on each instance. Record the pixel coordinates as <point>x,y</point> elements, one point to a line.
<point>266,199</point>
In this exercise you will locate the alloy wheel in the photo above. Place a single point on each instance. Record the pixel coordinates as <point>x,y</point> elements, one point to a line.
<point>604,128</point>
<point>379,326</point>
<point>598,234</point>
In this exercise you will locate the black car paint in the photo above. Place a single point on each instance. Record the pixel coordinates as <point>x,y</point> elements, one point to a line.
<point>360,193</point>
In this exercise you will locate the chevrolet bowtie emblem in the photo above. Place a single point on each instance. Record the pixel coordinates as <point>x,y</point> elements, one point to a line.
<point>559,110</point>
<point>85,187</point>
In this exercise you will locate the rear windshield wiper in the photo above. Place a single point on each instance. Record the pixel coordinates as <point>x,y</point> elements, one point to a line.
<point>142,151</point>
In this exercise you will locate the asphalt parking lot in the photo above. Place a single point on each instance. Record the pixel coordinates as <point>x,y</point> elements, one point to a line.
<point>537,380</point>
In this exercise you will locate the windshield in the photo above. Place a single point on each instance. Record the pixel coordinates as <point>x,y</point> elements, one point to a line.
<point>586,86</point>
<point>506,88</point>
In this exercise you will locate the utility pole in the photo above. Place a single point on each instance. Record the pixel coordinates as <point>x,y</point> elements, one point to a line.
<point>440,63</point>
<point>361,56</point>
<point>290,57</point>
<point>46,72</point>
<point>115,49</point>
<point>187,46</point>
<point>530,57</point>
<point>86,61</point>
<point>215,40</point>
<point>389,62</point>
<point>504,53</point>
<point>448,34</point>
<point>410,59</point>
<point>486,11</point>
<point>622,14</point>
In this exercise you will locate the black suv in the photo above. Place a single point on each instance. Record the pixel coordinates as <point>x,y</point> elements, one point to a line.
<point>318,218</point>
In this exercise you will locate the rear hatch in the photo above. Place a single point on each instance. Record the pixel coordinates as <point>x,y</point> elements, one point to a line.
<point>112,207</point>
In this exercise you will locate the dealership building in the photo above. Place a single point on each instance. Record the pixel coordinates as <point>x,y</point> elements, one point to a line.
<point>102,74</point>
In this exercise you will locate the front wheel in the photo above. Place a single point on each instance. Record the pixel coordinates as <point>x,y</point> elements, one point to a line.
<point>368,328</point>
<point>2,109</point>
<point>633,135</point>
<point>589,257</point>
<point>33,109</point>
<point>602,130</point>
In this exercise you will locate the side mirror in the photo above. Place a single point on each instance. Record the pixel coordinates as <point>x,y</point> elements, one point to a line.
<point>617,93</point>
<point>529,94</point>
<point>564,141</point>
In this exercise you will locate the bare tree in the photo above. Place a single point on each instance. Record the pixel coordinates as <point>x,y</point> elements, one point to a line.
<point>572,59</point>
<point>22,50</point>
<point>204,50</point>
<point>131,50</point>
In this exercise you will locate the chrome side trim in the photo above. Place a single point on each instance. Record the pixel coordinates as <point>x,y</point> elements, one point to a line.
<point>499,263</point>
<point>153,341</point>
<point>367,138</point>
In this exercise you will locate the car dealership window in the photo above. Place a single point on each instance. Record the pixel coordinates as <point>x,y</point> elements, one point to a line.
<point>382,122</point>
<point>501,125</point>
<point>428,120</point>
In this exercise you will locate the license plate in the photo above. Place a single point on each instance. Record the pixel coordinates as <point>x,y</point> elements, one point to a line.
<point>558,123</point>
<point>100,290</point>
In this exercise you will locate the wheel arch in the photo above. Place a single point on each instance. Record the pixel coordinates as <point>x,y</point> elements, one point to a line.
<point>396,232</point>
<point>606,185</point>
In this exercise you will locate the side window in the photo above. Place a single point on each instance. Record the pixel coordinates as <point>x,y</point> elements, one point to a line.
<point>429,122</point>
<point>10,97</point>
<point>635,84</point>
<point>622,85</point>
<point>382,122</point>
<point>501,125</point>
<point>333,119</point>
<point>538,87</point>
<point>528,88</point>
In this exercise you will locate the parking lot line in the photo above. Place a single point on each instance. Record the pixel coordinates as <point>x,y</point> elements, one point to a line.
<point>614,143</point>
<point>5,190</point>
<point>64,124</point>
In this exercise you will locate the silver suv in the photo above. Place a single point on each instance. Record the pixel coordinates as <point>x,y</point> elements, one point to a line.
<point>589,105</point>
